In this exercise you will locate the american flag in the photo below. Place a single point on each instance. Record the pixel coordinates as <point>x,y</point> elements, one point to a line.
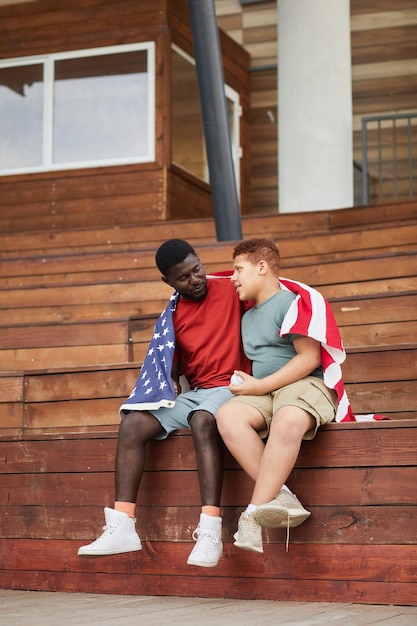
<point>154,387</point>
<point>311,315</point>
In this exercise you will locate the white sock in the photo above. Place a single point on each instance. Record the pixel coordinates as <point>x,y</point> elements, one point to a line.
<point>285,488</point>
<point>250,509</point>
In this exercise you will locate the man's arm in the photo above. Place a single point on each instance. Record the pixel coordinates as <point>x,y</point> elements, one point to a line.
<point>175,375</point>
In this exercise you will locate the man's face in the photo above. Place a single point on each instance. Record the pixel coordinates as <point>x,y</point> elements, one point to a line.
<point>188,278</point>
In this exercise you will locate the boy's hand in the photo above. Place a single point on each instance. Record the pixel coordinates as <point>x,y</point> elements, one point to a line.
<point>249,386</point>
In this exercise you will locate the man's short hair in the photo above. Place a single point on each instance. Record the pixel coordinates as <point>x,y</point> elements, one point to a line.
<point>172,252</point>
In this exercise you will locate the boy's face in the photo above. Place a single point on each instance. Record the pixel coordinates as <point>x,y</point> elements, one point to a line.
<point>244,278</point>
<point>188,278</point>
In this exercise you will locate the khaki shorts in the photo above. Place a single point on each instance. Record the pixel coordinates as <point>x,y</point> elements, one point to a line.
<point>310,394</point>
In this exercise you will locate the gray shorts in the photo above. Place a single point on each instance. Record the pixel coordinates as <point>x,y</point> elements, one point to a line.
<point>186,403</point>
<point>310,394</point>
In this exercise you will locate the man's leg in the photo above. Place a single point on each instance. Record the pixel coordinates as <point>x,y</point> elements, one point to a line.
<point>209,457</point>
<point>136,430</point>
<point>120,535</point>
<point>210,468</point>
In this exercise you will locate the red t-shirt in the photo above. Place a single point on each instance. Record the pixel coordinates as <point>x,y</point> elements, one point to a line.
<point>207,335</point>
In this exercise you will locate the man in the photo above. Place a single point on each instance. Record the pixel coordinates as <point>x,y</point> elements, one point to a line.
<point>208,348</point>
<point>285,399</point>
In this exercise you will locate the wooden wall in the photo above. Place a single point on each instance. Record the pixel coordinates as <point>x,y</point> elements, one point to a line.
<point>124,194</point>
<point>359,545</point>
<point>384,62</point>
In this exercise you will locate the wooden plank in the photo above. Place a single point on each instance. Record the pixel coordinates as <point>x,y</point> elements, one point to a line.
<point>351,487</point>
<point>86,311</point>
<point>62,356</point>
<point>80,384</point>
<point>389,267</point>
<point>384,334</point>
<point>72,415</point>
<point>327,525</point>
<point>380,365</point>
<point>60,335</point>
<point>316,247</point>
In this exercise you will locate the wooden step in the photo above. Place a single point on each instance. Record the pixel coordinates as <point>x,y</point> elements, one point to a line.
<point>358,481</point>
<point>129,265</point>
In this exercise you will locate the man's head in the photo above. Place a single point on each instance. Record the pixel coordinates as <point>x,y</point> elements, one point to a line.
<point>256,267</point>
<point>180,267</point>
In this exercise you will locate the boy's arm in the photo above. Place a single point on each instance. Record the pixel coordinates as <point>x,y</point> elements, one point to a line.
<point>307,359</point>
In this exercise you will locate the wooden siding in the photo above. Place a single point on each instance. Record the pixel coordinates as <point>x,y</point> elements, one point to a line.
<point>359,545</point>
<point>384,62</point>
<point>93,295</point>
<point>127,194</point>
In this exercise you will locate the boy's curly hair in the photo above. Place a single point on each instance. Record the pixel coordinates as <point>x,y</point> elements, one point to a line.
<point>258,249</point>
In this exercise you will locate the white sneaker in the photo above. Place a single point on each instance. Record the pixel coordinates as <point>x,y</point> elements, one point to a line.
<point>209,547</point>
<point>284,511</point>
<point>119,536</point>
<point>249,534</point>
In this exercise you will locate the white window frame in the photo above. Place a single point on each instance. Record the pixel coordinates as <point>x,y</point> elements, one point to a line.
<point>48,62</point>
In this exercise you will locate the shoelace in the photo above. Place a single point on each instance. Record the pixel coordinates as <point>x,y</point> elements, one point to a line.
<point>206,539</point>
<point>108,530</point>
<point>288,533</point>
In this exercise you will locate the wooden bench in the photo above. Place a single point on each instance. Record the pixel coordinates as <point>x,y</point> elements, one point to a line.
<point>378,379</point>
<point>29,341</point>
<point>358,480</point>
<point>122,265</point>
<point>58,433</point>
<point>136,236</point>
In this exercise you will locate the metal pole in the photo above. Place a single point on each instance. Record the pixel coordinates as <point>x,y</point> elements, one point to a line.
<point>210,78</point>
<point>365,189</point>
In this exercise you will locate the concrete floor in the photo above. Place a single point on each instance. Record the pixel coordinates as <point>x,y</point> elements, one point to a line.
<point>31,608</point>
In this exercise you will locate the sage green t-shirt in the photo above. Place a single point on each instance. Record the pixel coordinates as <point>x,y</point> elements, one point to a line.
<point>262,342</point>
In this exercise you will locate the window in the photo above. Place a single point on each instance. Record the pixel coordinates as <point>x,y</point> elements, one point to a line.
<point>78,109</point>
<point>188,145</point>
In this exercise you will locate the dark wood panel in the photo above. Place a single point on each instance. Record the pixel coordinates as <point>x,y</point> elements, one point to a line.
<point>327,525</point>
<point>376,6</point>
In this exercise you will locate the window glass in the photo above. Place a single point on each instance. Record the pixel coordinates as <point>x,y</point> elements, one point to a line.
<point>21,116</point>
<point>100,107</point>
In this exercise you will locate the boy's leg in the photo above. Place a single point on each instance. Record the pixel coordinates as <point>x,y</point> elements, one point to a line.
<point>239,424</point>
<point>288,426</point>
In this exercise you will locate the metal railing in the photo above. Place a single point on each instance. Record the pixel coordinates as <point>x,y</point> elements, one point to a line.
<point>385,126</point>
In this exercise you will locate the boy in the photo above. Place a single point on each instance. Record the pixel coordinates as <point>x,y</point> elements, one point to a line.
<point>284,399</point>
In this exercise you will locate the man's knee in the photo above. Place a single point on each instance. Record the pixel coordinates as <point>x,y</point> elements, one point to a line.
<point>139,425</point>
<point>203,424</point>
